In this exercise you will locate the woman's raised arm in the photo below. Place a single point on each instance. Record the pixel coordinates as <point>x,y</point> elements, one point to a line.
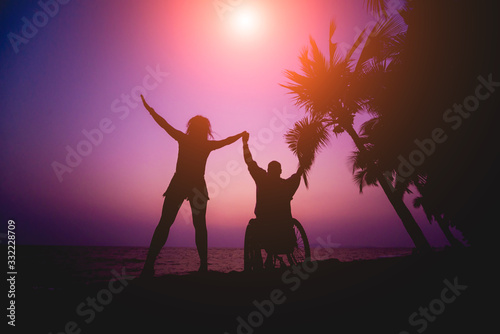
<point>173,132</point>
<point>216,144</point>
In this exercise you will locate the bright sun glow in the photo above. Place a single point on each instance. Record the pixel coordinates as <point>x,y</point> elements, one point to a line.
<point>245,20</point>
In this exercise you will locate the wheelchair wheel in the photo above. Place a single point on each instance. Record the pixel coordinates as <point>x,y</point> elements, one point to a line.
<point>297,254</point>
<point>301,251</point>
<point>252,257</point>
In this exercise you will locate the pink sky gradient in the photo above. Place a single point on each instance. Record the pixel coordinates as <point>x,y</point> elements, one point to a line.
<point>72,74</point>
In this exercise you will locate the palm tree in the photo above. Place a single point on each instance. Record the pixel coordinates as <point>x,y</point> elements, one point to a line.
<point>363,161</point>
<point>332,92</point>
<point>365,176</point>
<point>433,213</point>
<point>430,70</point>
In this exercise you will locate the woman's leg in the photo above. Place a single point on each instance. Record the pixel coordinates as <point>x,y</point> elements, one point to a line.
<point>199,211</point>
<point>171,206</point>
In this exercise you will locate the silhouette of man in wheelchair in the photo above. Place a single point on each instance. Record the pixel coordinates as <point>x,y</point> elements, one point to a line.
<point>272,229</point>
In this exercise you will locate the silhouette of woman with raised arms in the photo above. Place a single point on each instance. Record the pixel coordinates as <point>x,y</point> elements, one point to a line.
<point>188,183</point>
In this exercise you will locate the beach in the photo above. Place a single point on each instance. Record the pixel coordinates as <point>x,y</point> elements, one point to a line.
<point>63,265</point>
<point>384,295</point>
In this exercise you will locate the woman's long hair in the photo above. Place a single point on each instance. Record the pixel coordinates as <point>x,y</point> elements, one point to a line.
<point>199,126</point>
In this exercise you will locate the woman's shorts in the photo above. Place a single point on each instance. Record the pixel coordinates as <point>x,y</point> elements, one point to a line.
<point>192,190</point>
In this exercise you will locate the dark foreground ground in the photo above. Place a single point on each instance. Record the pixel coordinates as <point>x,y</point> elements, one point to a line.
<point>442,292</point>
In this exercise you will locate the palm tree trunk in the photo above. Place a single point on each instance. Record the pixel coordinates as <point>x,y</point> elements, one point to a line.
<point>402,210</point>
<point>447,233</point>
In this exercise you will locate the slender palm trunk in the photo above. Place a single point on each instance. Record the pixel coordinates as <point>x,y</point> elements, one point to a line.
<point>402,210</point>
<point>447,233</point>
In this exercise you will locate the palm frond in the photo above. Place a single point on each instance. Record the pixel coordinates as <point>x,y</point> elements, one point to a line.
<point>370,82</point>
<point>357,160</point>
<point>380,7</point>
<point>402,187</point>
<point>393,47</point>
<point>356,44</point>
<point>359,179</point>
<point>380,36</point>
<point>318,58</point>
<point>322,83</point>
<point>417,202</point>
<point>367,128</point>
<point>376,6</point>
<point>307,137</point>
<point>362,168</point>
<point>363,174</point>
<point>332,46</point>
<point>372,71</point>
<point>420,202</point>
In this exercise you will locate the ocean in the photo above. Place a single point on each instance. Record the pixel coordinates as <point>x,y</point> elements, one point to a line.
<point>52,267</point>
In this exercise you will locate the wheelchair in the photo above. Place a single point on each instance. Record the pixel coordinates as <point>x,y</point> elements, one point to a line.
<point>283,242</point>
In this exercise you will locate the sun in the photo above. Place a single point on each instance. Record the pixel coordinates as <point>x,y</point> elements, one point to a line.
<point>245,20</point>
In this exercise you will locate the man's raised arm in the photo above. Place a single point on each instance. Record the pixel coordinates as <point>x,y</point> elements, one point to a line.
<point>294,180</point>
<point>246,151</point>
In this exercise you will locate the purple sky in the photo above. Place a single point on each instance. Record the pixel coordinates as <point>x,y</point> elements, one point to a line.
<point>76,81</point>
